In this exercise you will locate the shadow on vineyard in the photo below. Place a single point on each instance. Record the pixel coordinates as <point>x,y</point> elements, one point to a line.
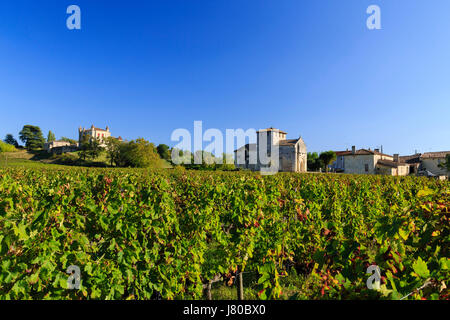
<point>169,234</point>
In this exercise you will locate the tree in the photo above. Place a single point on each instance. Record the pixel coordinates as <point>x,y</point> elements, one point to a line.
<point>6,147</point>
<point>94,149</point>
<point>9,139</point>
<point>51,136</point>
<point>327,158</point>
<point>314,163</point>
<point>84,147</point>
<point>71,141</point>
<point>112,149</point>
<point>446,164</point>
<point>163,151</point>
<point>138,153</point>
<point>227,162</point>
<point>32,137</point>
<point>90,147</point>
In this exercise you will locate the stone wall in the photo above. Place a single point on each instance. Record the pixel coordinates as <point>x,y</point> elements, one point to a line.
<point>432,165</point>
<point>356,164</point>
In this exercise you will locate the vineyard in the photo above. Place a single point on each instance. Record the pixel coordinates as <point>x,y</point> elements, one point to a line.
<point>139,234</point>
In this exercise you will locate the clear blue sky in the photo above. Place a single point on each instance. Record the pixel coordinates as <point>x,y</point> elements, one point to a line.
<point>307,67</point>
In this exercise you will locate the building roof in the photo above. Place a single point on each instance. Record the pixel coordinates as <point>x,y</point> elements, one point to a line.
<point>341,153</point>
<point>289,142</point>
<point>389,163</point>
<point>363,152</point>
<point>95,128</point>
<point>439,154</point>
<point>247,146</point>
<point>271,129</point>
<point>412,159</point>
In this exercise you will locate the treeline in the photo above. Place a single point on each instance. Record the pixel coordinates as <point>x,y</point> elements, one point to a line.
<point>202,160</point>
<point>138,153</point>
<point>32,138</point>
<point>320,162</point>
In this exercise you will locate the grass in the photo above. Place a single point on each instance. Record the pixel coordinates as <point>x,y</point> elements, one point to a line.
<point>294,287</point>
<point>42,159</point>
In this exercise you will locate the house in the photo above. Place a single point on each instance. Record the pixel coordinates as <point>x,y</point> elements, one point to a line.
<point>59,146</point>
<point>291,152</point>
<point>94,132</point>
<point>48,146</point>
<point>431,161</point>
<point>392,168</point>
<point>366,161</point>
<point>338,164</point>
<point>413,161</point>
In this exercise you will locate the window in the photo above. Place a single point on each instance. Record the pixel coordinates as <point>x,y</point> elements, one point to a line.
<point>366,167</point>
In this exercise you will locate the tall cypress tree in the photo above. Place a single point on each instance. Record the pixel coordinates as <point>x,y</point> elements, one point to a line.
<point>51,136</point>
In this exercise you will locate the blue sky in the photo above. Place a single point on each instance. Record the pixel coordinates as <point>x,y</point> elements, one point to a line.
<point>310,68</point>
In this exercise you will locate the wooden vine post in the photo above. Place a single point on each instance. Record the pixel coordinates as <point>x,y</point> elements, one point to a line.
<point>239,285</point>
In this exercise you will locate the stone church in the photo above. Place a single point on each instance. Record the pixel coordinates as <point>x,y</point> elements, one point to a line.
<point>292,155</point>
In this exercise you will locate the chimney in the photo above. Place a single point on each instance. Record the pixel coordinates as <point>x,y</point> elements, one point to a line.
<point>377,150</point>
<point>396,158</point>
<point>353,149</point>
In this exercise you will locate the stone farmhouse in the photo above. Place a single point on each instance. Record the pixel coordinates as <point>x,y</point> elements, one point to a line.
<point>366,161</point>
<point>60,146</point>
<point>428,162</point>
<point>292,152</point>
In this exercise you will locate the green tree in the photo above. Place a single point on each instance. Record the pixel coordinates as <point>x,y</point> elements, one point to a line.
<point>9,139</point>
<point>227,163</point>
<point>327,158</point>
<point>51,136</point>
<point>71,141</point>
<point>314,163</point>
<point>94,149</point>
<point>446,164</point>
<point>32,137</point>
<point>180,157</point>
<point>6,147</point>
<point>90,147</point>
<point>163,151</point>
<point>112,149</point>
<point>138,153</point>
<point>84,147</point>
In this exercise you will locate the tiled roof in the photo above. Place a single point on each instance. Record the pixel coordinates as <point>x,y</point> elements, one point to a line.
<point>290,142</point>
<point>363,152</point>
<point>439,154</point>
<point>392,164</point>
<point>247,146</point>
<point>414,158</point>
